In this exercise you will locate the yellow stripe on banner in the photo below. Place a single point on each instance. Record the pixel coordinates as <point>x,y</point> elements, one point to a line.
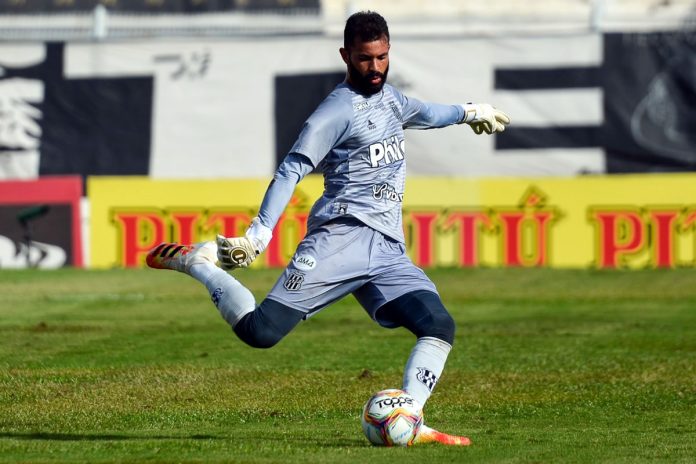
<point>629,221</point>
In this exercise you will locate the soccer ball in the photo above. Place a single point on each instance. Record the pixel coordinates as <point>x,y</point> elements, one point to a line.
<point>392,418</point>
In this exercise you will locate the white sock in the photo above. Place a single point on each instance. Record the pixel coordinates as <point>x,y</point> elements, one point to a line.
<point>424,367</point>
<point>231,298</point>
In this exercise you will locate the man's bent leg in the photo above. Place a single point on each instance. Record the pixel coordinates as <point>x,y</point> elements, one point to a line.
<point>423,313</point>
<point>231,298</point>
<point>267,324</point>
<point>259,327</point>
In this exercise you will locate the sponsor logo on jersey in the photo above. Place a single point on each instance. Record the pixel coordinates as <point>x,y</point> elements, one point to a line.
<point>387,152</point>
<point>294,281</point>
<point>305,262</point>
<point>386,191</point>
<point>362,106</point>
<point>371,125</point>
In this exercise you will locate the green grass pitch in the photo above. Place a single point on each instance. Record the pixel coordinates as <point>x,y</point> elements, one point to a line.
<point>548,366</point>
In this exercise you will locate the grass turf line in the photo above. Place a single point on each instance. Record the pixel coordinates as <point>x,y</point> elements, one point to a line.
<point>548,366</point>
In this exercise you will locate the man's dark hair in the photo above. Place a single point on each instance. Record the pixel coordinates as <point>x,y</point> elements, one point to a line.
<point>366,26</point>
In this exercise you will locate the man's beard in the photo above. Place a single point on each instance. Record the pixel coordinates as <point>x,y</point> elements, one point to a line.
<point>362,83</point>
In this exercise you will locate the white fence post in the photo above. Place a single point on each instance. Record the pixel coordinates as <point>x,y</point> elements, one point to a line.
<point>100,24</point>
<point>597,9</point>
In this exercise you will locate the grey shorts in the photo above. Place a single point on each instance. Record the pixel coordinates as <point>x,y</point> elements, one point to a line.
<point>343,257</point>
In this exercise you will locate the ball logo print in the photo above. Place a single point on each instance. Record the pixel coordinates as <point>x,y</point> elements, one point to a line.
<point>395,402</point>
<point>392,418</point>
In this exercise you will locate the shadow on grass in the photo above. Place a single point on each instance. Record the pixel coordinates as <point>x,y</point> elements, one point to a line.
<point>106,437</point>
<point>326,443</point>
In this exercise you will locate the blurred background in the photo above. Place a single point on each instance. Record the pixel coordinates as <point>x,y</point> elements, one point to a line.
<point>126,122</point>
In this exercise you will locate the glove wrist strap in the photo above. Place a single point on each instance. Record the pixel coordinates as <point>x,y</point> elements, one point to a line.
<point>259,234</point>
<point>470,112</point>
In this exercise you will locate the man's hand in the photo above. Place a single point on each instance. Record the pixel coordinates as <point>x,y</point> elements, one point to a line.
<point>482,117</point>
<point>234,252</point>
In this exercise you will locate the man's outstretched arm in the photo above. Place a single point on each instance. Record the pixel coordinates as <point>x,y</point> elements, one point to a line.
<point>234,252</point>
<point>482,117</point>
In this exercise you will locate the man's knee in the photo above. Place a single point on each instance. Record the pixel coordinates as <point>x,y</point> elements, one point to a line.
<point>421,312</point>
<point>441,325</point>
<point>257,336</point>
<point>267,324</point>
<point>256,339</point>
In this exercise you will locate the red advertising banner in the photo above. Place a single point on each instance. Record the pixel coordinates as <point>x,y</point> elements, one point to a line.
<point>40,223</point>
<point>604,222</point>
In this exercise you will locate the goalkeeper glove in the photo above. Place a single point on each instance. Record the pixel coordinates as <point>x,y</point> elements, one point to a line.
<point>482,117</point>
<point>235,252</point>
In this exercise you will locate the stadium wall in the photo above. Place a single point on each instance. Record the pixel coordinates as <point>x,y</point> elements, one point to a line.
<point>580,103</point>
<point>631,221</point>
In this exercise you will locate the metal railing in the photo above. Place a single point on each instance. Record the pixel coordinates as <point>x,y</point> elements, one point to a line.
<point>102,23</point>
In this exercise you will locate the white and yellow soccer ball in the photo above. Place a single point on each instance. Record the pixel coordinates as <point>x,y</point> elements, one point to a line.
<point>392,418</point>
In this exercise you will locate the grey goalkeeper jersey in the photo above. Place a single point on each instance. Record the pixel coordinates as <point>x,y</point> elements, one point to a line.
<point>357,142</point>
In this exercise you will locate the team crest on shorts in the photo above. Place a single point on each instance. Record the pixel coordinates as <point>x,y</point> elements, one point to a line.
<point>294,282</point>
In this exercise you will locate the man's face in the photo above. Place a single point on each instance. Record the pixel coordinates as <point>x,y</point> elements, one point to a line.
<point>368,65</point>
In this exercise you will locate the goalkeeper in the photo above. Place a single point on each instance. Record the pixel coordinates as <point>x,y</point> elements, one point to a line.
<point>355,241</point>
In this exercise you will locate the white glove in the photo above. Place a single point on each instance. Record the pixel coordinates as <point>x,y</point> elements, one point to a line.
<point>482,117</point>
<point>235,252</point>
